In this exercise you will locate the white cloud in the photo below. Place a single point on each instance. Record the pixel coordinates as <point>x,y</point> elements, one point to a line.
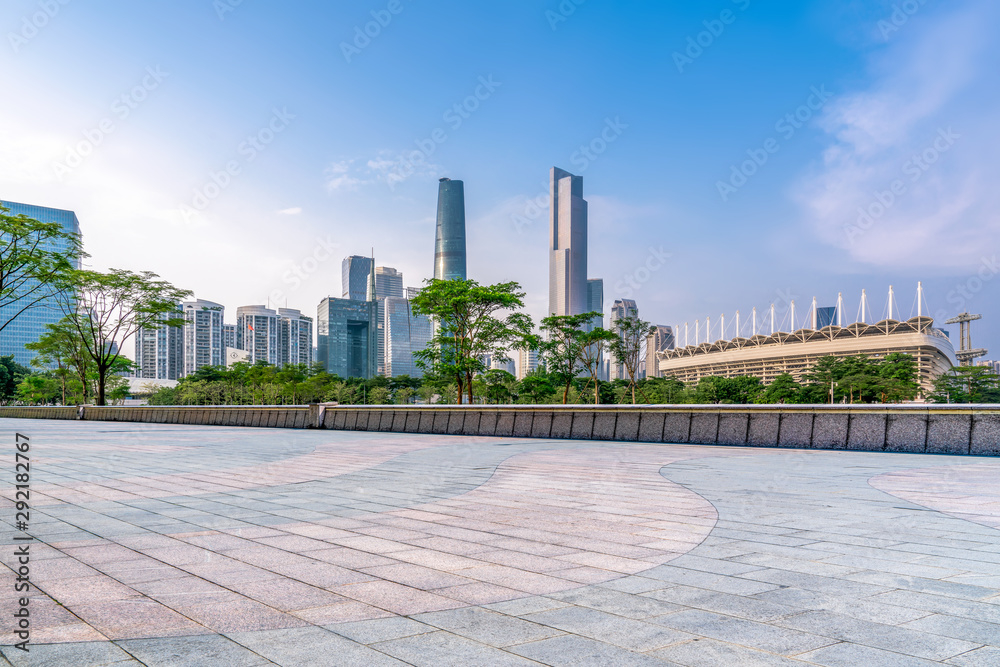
<point>295,210</point>
<point>926,126</point>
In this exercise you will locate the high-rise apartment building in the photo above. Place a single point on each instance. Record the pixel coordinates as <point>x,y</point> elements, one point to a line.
<point>257,333</point>
<point>355,273</point>
<point>203,338</point>
<point>159,350</point>
<point>28,323</point>
<point>449,238</point>
<point>527,361</point>
<point>295,335</point>
<point>568,292</point>
<point>661,340</point>
<point>405,333</point>
<point>622,309</point>
<point>344,335</point>
<point>229,336</point>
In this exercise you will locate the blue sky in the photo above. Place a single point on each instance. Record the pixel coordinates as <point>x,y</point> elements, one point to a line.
<point>671,97</point>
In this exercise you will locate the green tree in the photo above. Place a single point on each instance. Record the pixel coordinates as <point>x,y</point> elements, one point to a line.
<point>967,384</point>
<point>61,345</point>
<point>471,322</point>
<point>32,271</point>
<point>783,389</point>
<point>536,387</point>
<point>627,345</point>
<point>109,308</point>
<point>11,374</point>
<point>595,344</point>
<point>562,345</point>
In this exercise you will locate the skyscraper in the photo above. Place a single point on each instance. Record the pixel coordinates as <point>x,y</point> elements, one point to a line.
<point>449,240</point>
<point>257,333</point>
<point>388,283</point>
<point>294,337</point>
<point>405,333</point>
<point>159,350</point>
<point>527,362</point>
<point>344,336</point>
<point>203,339</point>
<point>28,326</point>
<point>568,294</point>
<point>623,309</point>
<point>661,340</point>
<point>355,272</point>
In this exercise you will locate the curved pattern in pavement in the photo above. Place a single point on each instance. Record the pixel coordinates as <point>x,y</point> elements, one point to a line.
<point>970,492</point>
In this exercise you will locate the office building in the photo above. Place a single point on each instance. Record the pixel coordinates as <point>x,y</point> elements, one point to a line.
<point>449,237</point>
<point>498,364</point>
<point>295,336</point>
<point>568,291</point>
<point>405,333</point>
<point>412,292</point>
<point>355,273</point>
<point>204,344</point>
<point>661,340</point>
<point>388,283</point>
<point>527,362</point>
<point>257,333</point>
<point>159,350</point>
<point>622,309</point>
<point>344,333</point>
<point>993,365</point>
<point>26,322</point>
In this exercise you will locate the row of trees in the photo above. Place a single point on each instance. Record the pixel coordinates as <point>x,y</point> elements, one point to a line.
<point>40,268</point>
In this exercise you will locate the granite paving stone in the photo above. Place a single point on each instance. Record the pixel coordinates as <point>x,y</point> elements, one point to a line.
<point>169,544</point>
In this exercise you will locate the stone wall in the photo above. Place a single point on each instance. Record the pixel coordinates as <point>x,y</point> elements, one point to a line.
<point>901,428</point>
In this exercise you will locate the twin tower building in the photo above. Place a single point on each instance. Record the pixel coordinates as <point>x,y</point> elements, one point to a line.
<point>570,291</point>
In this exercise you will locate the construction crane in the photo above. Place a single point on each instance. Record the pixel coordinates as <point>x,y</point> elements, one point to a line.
<point>965,354</point>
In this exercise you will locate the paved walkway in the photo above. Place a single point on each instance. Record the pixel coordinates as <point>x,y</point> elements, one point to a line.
<point>173,545</point>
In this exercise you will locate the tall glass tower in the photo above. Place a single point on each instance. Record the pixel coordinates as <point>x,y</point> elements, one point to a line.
<point>449,241</point>
<point>29,325</point>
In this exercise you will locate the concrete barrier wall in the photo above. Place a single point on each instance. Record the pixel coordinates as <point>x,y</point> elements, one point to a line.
<point>907,428</point>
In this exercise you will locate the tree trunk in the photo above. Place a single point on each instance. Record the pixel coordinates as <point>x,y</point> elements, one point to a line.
<point>468,383</point>
<point>566,392</point>
<point>102,377</point>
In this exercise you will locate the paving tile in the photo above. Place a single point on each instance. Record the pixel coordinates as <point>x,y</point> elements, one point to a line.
<point>711,653</point>
<point>444,649</point>
<point>608,628</point>
<point>193,652</point>
<point>380,630</point>
<point>573,651</point>
<point>310,646</point>
<point>761,636</point>
<point>487,627</point>
<point>91,654</point>
<point>853,655</point>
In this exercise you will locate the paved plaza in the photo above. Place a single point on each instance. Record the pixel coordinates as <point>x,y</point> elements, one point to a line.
<point>188,545</point>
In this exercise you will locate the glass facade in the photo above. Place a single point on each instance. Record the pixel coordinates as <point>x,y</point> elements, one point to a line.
<point>405,333</point>
<point>355,273</point>
<point>449,240</point>
<point>344,332</point>
<point>825,317</point>
<point>29,326</point>
<point>568,288</point>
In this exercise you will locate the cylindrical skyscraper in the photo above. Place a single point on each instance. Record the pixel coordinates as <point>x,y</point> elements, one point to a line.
<point>449,242</point>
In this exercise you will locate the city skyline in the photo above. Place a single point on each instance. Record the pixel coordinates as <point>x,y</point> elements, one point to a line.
<point>330,179</point>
